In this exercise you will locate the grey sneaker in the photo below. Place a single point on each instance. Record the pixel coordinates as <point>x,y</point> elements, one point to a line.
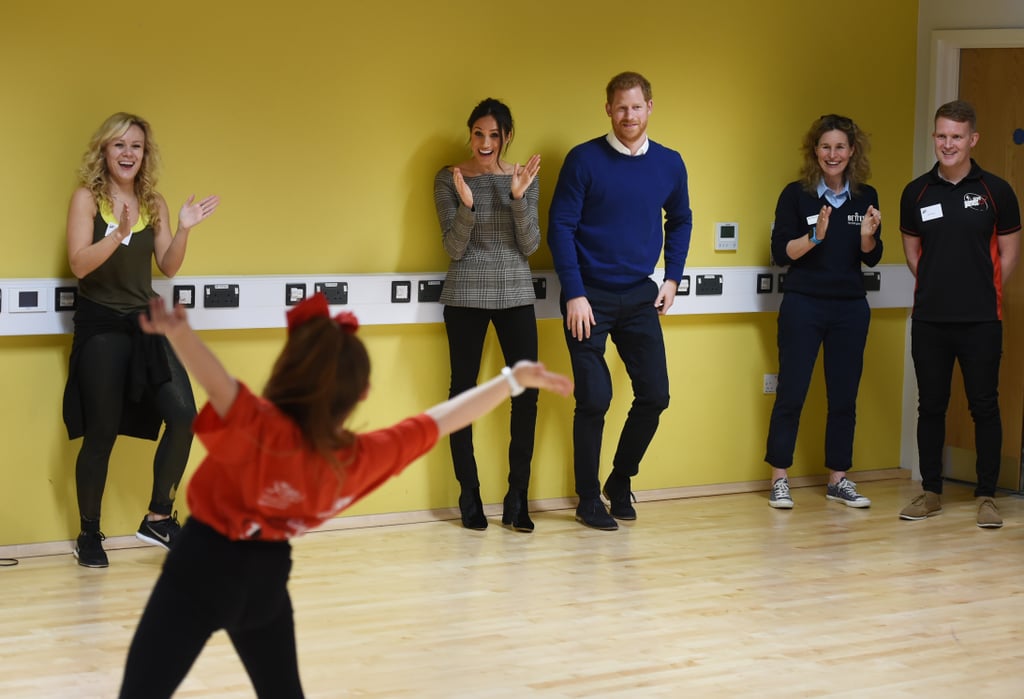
<point>780,498</point>
<point>923,506</point>
<point>988,514</point>
<point>845,491</point>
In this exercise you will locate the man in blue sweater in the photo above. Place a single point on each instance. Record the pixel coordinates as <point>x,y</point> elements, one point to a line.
<point>606,233</point>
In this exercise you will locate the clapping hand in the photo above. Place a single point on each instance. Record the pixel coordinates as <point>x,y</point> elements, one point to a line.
<point>463,190</point>
<point>872,220</point>
<point>193,213</point>
<point>523,175</point>
<point>821,226</point>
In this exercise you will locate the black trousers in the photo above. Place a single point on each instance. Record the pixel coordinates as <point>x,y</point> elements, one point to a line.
<point>209,583</point>
<point>978,348</point>
<point>517,334</point>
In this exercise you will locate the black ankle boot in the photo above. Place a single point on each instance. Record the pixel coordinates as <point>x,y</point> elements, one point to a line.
<point>472,509</point>
<point>516,512</point>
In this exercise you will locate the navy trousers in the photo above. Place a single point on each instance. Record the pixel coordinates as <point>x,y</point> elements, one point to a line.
<point>840,328</point>
<point>631,321</point>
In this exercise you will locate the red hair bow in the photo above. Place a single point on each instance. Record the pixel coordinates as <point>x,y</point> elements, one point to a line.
<point>316,306</point>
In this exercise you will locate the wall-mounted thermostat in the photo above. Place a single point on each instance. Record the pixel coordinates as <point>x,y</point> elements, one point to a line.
<point>727,236</point>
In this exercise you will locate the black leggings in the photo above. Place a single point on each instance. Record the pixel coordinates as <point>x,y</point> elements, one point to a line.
<point>516,329</point>
<point>102,377</point>
<point>209,583</point>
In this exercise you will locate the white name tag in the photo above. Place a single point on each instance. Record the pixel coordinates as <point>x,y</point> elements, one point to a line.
<point>111,227</point>
<point>929,213</point>
<point>812,220</point>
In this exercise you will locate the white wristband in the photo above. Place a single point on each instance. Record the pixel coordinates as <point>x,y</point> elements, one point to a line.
<point>515,387</point>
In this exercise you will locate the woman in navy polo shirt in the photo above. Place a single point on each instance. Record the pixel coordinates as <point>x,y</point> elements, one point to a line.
<point>827,224</point>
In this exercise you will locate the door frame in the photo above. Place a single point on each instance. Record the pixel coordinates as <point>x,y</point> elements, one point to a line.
<point>944,73</point>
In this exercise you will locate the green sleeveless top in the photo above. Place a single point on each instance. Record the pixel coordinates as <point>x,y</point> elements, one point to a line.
<point>124,282</point>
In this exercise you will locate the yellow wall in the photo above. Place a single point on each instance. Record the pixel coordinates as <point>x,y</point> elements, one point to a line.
<point>321,125</point>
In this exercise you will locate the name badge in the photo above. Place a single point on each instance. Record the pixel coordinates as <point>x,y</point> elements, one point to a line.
<point>111,227</point>
<point>812,220</point>
<point>929,213</point>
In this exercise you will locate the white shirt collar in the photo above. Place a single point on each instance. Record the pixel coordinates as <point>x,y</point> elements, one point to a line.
<point>618,145</point>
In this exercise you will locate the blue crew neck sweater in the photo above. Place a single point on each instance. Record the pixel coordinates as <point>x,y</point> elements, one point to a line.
<point>606,223</point>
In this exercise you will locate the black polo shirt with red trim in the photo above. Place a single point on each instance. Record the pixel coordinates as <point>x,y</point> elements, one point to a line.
<point>959,276</point>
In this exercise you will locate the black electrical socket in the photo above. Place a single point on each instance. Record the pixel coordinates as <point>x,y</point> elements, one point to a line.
<point>220,296</point>
<point>429,290</point>
<point>764,283</point>
<point>684,286</point>
<point>336,292</point>
<point>872,281</point>
<point>540,287</point>
<point>709,285</point>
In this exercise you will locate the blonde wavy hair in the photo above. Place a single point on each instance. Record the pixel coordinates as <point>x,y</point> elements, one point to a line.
<point>858,170</point>
<point>94,175</point>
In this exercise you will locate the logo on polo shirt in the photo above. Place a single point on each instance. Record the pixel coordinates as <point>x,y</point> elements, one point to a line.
<point>975,202</point>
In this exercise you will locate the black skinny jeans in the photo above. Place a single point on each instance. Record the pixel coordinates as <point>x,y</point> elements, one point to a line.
<point>517,334</point>
<point>978,349</point>
<point>103,377</point>
<point>210,583</point>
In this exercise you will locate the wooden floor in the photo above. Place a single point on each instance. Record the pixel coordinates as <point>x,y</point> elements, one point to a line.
<point>706,597</point>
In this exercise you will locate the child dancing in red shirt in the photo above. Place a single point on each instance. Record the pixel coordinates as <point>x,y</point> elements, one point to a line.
<point>277,466</point>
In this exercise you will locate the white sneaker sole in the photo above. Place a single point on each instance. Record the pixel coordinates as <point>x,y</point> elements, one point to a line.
<point>152,541</point>
<point>864,502</point>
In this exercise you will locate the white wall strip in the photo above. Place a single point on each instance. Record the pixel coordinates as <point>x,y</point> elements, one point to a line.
<point>46,306</point>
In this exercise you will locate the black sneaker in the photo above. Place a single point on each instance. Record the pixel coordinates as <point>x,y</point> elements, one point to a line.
<point>89,550</point>
<point>591,512</point>
<point>620,498</point>
<point>162,532</point>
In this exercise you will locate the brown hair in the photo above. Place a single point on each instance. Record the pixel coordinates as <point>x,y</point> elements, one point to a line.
<point>858,170</point>
<point>627,81</point>
<point>960,111</point>
<point>322,373</point>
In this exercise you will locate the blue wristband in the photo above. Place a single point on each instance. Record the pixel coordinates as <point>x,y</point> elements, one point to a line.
<point>814,237</point>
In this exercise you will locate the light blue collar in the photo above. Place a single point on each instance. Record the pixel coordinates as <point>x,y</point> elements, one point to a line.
<point>834,199</point>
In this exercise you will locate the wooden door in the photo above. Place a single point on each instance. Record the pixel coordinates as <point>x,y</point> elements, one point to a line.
<point>991,80</point>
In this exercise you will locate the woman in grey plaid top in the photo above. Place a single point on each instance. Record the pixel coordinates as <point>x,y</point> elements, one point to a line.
<point>487,209</point>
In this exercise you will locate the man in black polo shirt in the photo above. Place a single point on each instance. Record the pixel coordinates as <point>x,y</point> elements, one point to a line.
<point>961,235</point>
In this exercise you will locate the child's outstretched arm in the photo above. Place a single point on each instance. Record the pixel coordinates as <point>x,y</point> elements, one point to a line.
<point>221,388</point>
<point>461,410</point>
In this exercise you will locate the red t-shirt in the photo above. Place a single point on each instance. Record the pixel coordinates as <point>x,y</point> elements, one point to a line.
<point>261,481</point>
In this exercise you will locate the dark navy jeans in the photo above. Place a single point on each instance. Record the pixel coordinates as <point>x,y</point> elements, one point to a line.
<point>631,321</point>
<point>839,327</point>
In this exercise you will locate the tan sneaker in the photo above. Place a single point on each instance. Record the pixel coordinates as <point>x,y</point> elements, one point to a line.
<point>923,506</point>
<point>988,514</point>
